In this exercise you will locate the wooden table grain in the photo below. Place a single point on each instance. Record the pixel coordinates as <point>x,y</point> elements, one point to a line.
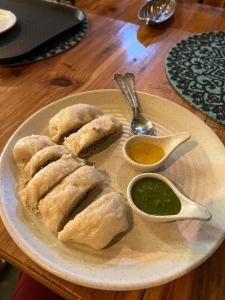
<point>115,42</point>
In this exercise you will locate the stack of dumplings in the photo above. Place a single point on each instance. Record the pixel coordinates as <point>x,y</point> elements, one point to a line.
<point>71,119</point>
<point>90,134</point>
<point>98,223</point>
<point>26,147</point>
<point>55,180</point>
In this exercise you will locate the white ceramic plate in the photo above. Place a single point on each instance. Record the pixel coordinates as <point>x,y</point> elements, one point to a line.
<point>7,20</point>
<point>149,254</point>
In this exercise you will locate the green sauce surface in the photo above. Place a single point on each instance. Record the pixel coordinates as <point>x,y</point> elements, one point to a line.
<point>155,197</point>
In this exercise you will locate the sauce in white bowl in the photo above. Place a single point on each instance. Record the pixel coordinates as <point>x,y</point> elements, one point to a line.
<point>155,198</point>
<point>147,153</point>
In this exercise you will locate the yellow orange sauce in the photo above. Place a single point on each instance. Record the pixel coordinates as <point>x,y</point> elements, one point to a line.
<point>145,153</point>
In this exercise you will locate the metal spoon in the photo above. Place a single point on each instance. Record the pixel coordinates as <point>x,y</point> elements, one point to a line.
<point>139,125</point>
<point>156,11</point>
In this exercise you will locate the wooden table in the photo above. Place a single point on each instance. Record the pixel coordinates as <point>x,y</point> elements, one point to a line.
<point>115,43</point>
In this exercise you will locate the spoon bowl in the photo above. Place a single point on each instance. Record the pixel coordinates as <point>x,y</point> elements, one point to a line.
<point>142,126</point>
<point>189,208</point>
<point>156,11</point>
<point>168,143</point>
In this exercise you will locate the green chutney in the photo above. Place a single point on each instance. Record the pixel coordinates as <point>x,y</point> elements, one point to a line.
<point>155,197</point>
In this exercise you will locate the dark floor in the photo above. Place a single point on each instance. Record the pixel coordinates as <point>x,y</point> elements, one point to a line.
<point>8,277</point>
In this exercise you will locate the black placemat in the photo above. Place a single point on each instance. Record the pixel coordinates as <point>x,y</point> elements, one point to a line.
<point>37,22</point>
<point>196,69</point>
<point>56,46</point>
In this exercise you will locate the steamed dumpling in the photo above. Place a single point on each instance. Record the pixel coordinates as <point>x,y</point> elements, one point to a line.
<point>71,118</point>
<point>91,133</point>
<point>46,179</point>
<point>43,157</point>
<point>56,206</point>
<point>98,224</point>
<point>26,147</point>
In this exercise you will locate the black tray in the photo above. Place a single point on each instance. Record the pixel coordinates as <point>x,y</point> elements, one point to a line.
<point>37,22</point>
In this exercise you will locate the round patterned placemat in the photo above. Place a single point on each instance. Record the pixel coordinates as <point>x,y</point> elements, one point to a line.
<point>55,46</point>
<point>196,69</point>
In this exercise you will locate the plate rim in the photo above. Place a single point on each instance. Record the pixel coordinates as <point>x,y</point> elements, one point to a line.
<point>45,264</point>
<point>13,20</point>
